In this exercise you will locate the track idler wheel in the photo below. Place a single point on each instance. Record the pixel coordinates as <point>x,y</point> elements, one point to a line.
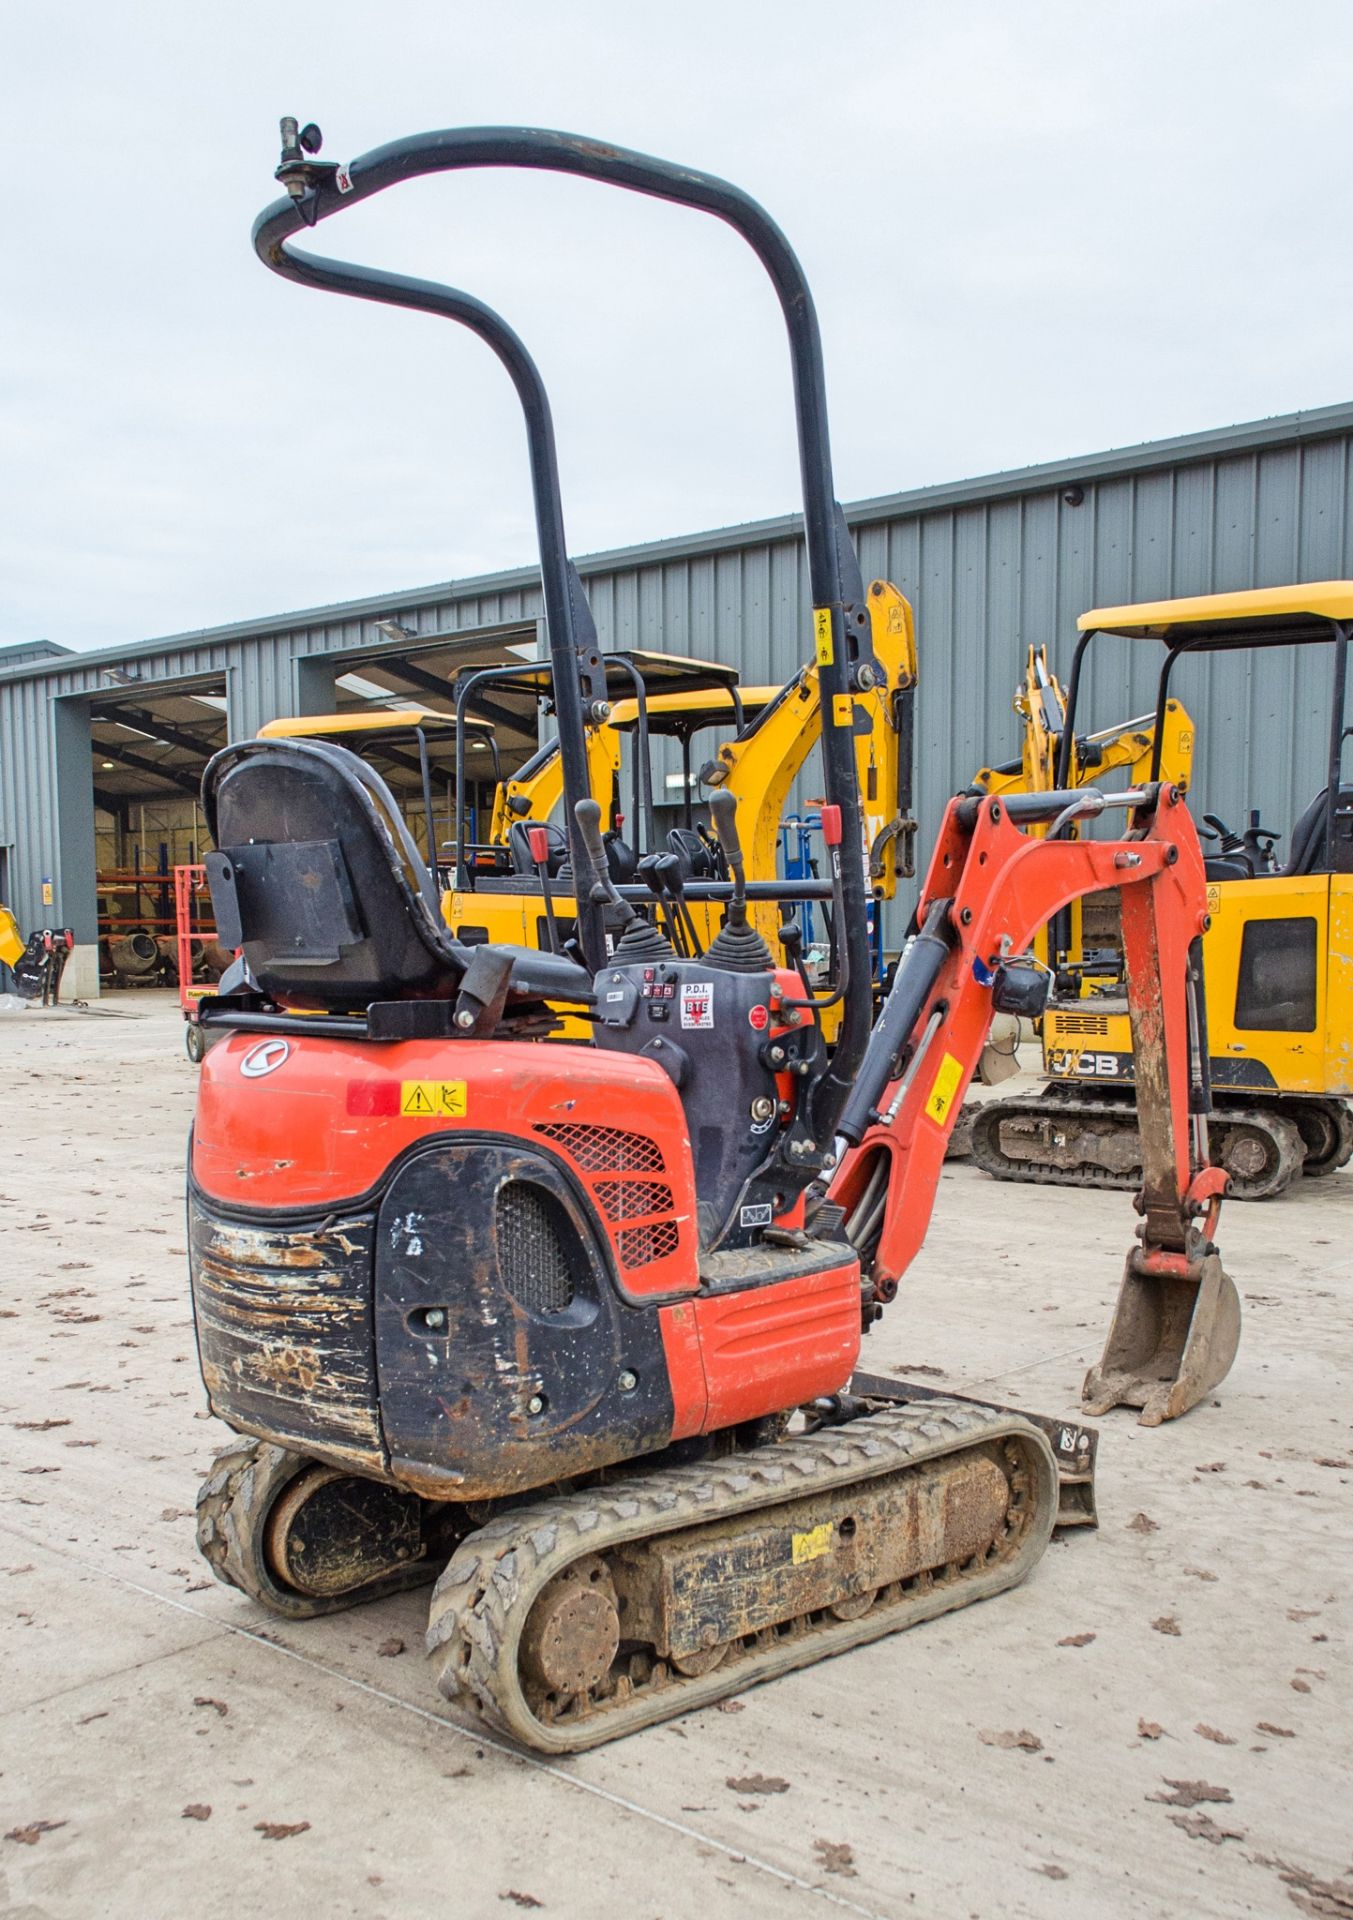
<point>1326,1128</point>
<point>302,1538</point>
<point>573,1633</point>
<point>1262,1152</point>
<point>1172,1341</point>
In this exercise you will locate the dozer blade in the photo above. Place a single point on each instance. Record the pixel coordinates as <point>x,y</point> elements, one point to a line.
<point>1171,1342</point>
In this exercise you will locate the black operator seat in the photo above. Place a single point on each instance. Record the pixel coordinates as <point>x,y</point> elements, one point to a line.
<point>519,847</point>
<point>317,878</point>
<point>1308,836</point>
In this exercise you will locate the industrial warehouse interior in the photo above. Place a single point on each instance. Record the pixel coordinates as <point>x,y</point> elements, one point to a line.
<point>676,964</point>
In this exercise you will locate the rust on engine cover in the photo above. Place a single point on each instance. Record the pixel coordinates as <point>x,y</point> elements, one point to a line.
<point>688,1592</point>
<point>284,1330</point>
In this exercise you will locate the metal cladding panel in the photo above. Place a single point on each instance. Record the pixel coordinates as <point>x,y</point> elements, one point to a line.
<point>991,566</point>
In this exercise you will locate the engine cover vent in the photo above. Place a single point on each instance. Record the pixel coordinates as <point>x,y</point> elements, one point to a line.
<point>534,1237</point>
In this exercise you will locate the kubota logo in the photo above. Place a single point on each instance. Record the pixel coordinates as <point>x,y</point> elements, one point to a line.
<point>266,1057</point>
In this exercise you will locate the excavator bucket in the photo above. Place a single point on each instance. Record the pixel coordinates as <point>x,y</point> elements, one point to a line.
<point>1172,1340</point>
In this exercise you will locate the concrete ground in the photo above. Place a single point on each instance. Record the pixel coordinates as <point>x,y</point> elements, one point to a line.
<point>154,1724</point>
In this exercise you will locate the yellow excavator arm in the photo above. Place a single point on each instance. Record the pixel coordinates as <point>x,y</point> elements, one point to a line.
<point>537,789</point>
<point>11,940</point>
<point>1041,705</point>
<point>761,765</point>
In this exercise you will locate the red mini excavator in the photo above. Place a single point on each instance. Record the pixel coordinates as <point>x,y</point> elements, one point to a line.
<point>574,1326</point>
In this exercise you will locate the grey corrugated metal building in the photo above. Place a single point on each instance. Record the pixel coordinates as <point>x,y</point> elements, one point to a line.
<point>990,565</point>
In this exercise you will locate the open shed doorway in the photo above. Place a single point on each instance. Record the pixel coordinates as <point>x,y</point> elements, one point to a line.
<point>148,746</point>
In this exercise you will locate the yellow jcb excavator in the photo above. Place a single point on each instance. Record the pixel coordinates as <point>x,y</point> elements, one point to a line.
<point>1126,750</point>
<point>1277,956</point>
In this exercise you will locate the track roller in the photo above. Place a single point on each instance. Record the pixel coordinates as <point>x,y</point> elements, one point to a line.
<point>302,1538</point>
<point>578,1619</point>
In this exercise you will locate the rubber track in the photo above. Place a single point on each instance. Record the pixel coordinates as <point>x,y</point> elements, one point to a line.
<point>481,1603</point>
<point>1117,1118</point>
<point>233,1503</point>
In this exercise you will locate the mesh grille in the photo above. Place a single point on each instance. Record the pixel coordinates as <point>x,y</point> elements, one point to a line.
<point>532,1256</point>
<point>606,1149</point>
<point>1089,1023</point>
<point>641,1246</point>
<point>632,1199</point>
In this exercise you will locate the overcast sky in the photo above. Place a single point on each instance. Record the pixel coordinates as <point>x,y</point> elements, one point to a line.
<point>1033,229</point>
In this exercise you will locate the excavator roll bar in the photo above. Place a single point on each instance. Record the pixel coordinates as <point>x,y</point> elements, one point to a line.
<point>316,190</point>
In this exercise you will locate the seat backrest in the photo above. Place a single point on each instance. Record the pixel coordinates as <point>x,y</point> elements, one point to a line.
<point>318,880</point>
<point>519,846</point>
<point>1307,851</point>
<point>697,862</point>
<point>622,862</point>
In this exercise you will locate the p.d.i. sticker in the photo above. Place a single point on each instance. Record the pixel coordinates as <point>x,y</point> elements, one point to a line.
<point>697,1003</point>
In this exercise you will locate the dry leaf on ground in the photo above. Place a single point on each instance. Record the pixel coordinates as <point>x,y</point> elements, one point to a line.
<point>1201,1826</point>
<point>279,1830</point>
<point>835,1857</point>
<point>30,1835</point>
<point>1027,1742</point>
<point>1187,1793</point>
<point>1142,1523</point>
<point>758,1783</point>
<point>1076,1640</point>
<point>1149,1729</point>
<point>196,1810</point>
<point>1214,1733</point>
<point>1167,1624</point>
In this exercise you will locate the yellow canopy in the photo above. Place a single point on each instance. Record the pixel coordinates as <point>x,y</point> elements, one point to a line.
<point>1291,613</point>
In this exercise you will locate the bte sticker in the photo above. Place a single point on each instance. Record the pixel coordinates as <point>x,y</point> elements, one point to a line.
<point>697,1003</point>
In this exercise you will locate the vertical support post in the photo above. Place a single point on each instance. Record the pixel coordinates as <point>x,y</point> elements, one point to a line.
<point>313,688</point>
<point>75,902</point>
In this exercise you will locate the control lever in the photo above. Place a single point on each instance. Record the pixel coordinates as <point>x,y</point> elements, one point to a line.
<point>1259,844</point>
<point>736,946</point>
<point>671,874</point>
<point>540,854</point>
<point>723,807</point>
<point>639,939</point>
<point>650,871</point>
<point>831,839</point>
<point>601,888</point>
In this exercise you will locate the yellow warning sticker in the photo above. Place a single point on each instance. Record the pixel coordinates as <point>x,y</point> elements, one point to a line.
<point>822,634</point>
<point>843,710</point>
<point>813,1544</point>
<point>943,1088</point>
<point>432,1099</point>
